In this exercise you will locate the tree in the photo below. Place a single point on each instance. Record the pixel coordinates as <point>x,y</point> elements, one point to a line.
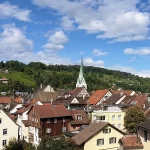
<point>14,144</point>
<point>133,117</point>
<point>61,143</point>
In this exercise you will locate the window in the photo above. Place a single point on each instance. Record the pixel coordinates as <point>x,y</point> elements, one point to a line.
<point>145,135</point>
<point>100,118</point>
<point>100,141</point>
<point>63,129</point>
<point>112,140</point>
<point>79,117</point>
<point>108,130</point>
<point>64,120</point>
<point>0,120</point>
<point>33,119</point>
<point>48,130</point>
<point>119,125</point>
<point>113,117</point>
<point>4,142</point>
<point>4,131</point>
<point>119,117</point>
<point>55,120</point>
<point>48,121</point>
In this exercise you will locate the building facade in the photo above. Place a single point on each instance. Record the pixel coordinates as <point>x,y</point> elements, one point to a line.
<point>8,129</point>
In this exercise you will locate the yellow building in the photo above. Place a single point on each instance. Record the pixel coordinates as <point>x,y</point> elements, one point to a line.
<point>99,136</point>
<point>113,115</point>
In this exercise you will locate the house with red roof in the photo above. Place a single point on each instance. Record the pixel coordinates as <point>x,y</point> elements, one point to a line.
<point>50,120</point>
<point>131,142</point>
<point>99,96</point>
<point>80,118</point>
<point>76,99</point>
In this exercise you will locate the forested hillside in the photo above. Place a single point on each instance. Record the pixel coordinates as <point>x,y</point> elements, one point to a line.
<point>61,76</point>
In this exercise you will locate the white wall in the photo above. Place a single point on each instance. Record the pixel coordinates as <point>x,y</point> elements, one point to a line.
<point>12,128</point>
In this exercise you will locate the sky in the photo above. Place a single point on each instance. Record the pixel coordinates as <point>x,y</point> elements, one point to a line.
<point>112,34</point>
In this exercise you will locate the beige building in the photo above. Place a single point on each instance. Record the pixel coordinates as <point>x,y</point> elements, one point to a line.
<point>8,129</point>
<point>113,114</point>
<point>99,136</point>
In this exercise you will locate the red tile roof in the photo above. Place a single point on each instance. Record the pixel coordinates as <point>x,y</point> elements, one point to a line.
<point>5,100</point>
<point>97,96</point>
<point>27,106</point>
<point>18,100</point>
<point>50,111</point>
<point>131,141</point>
<point>85,119</point>
<point>126,92</point>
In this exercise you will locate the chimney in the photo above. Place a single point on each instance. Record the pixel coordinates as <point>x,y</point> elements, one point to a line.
<point>121,94</point>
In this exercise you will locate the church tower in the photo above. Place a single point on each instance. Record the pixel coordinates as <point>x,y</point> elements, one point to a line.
<point>81,81</point>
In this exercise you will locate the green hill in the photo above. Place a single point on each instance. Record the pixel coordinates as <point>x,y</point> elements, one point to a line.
<point>19,76</point>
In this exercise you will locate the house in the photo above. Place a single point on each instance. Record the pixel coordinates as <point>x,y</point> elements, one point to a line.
<point>45,94</point>
<point>125,92</point>
<point>80,118</point>
<point>114,114</point>
<point>139,100</point>
<point>77,99</point>
<point>99,96</point>
<point>8,129</point>
<point>99,136</point>
<point>22,115</point>
<point>50,120</point>
<point>3,80</point>
<point>131,142</point>
<point>13,107</point>
<point>144,133</point>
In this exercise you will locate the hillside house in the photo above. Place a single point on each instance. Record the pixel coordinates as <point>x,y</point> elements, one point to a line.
<point>99,96</point>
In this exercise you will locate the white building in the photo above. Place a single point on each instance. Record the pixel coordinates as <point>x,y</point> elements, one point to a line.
<point>8,129</point>
<point>22,117</point>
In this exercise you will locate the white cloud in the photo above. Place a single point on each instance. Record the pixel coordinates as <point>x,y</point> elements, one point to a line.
<point>90,62</point>
<point>142,73</point>
<point>117,20</point>
<point>8,10</point>
<point>98,52</point>
<point>13,40</point>
<point>139,51</point>
<point>55,41</point>
<point>14,45</point>
<point>67,23</point>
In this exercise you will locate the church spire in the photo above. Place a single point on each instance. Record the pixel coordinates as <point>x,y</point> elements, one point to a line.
<point>81,68</point>
<point>81,81</point>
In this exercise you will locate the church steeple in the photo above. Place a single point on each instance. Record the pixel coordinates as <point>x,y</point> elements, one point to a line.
<point>81,81</point>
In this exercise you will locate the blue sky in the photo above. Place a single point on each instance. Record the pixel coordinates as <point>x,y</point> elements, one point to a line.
<point>113,34</point>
